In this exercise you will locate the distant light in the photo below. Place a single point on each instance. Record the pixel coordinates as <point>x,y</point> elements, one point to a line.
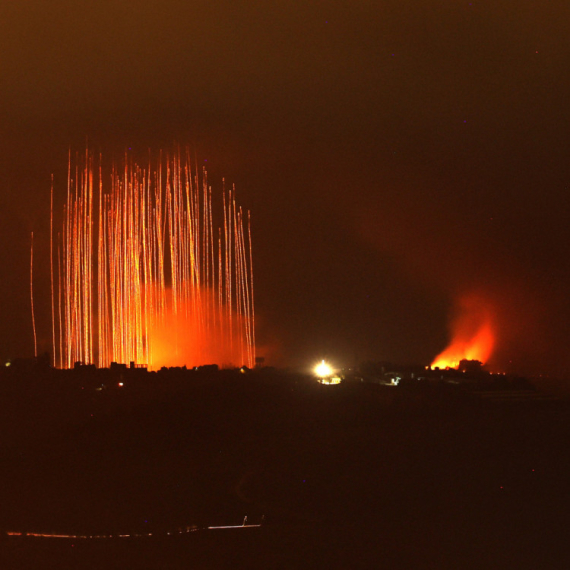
<point>323,370</point>
<point>330,380</point>
<point>8,363</point>
<point>121,384</point>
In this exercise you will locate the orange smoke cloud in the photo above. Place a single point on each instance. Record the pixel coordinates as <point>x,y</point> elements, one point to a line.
<point>473,333</point>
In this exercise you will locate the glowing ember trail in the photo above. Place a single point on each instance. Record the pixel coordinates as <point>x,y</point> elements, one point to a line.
<point>473,336</point>
<point>142,276</point>
<point>32,295</point>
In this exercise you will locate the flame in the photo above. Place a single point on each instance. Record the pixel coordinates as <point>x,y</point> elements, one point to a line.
<point>473,334</point>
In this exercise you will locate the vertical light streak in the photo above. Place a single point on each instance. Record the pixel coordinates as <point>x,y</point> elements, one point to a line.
<point>51,273</point>
<point>32,295</point>
<point>220,316</point>
<point>59,300</point>
<point>251,319</point>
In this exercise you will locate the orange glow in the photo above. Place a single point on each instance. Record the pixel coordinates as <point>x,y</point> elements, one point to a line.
<point>473,335</point>
<point>179,338</point>
<point>141,276</point>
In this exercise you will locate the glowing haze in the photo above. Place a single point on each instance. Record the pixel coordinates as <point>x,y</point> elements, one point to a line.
<point>141,273</point>
<point>472,334</point>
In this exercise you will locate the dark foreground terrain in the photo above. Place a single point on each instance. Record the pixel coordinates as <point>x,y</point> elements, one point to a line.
<point>349,476</point>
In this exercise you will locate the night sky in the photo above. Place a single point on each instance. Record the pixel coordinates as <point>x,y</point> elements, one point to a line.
<point>396,157</point>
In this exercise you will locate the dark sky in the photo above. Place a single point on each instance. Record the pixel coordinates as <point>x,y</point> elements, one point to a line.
<point>396,156</point>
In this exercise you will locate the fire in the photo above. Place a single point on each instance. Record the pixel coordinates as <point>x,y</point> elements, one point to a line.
<point>143,275</point>
<point>473,334</point>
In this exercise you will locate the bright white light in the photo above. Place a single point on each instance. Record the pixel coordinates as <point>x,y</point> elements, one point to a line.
<point>323,370</point>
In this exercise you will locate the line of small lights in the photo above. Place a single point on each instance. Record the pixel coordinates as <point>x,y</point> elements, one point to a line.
<point>118,535</point>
